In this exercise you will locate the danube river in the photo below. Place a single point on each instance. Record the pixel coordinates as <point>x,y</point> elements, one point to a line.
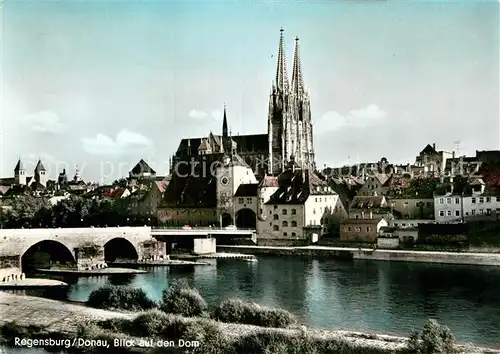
<point>351,295</point>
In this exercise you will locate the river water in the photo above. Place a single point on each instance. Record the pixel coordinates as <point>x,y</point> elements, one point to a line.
<point>361,295</point>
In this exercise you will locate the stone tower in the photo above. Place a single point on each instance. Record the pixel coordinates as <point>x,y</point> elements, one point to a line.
<point>289,121</point>
<point>41,174</point>
<point>19,174</point>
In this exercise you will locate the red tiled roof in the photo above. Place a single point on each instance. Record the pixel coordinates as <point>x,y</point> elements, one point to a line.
<point>162,185</point>
<point>269,181</point>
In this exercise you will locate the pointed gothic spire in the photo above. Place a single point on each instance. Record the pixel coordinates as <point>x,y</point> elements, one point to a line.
<point>281,72</point>
<point>19,166</point>
<point>297,81</point>
<point>224,123</point>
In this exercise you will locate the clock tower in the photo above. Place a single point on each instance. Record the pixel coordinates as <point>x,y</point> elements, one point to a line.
<point>225,192</point>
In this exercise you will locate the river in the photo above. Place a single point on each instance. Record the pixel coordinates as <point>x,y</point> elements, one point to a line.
<point>360,295</point>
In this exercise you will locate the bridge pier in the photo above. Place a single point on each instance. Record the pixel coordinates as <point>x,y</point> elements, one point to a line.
<point>89,257</point>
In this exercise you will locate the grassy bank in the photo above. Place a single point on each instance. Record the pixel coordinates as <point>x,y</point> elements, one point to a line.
<point>233,326</point>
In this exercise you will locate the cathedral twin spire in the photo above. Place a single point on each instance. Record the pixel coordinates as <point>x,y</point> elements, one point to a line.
<point>289,121</point>
<point>282,83</point>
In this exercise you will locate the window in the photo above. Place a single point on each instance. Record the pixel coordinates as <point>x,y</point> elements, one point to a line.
<point>275,217</point>
<point>276,228</point>
<point>284,212</point>
<point>448,212</point>
<point>488,211</point>
<point>488,199</point>
<point>240,200</point>
<point>473,212</point>
<point>293,234</point>
<point>429,204</point>
<point>294,223</point>
<point>473,201</point>
<point>481,211</point>
<point>441,200</point>
<point>457,200</point>
<point>481,200</point>
<point>368,229</point>
<point>275,206</point>
<point>316,199</point>
<point>441,213</point>
<point>320,200</point>
<point>498,211</point>
<point>262,200</point>
<point>270,211</point>
<point>285,234</point>
<point>294,211</point>
<point>349,228</point>
<point>448,200</point>
<point>284,223</point>
<point>357,229</point>
<point>249,200</point>
<point>457,212</point>
<point>261,211</point>
<point>314,211</point>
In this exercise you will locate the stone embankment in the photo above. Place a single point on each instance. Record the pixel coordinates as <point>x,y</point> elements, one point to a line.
<point>469,258</point>
<point>60,317</point>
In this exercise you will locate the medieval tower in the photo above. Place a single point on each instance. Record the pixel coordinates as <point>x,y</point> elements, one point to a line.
<point>290,131</point>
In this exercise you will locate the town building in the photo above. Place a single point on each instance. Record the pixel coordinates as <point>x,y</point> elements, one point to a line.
<point>361,230</point>
<point>432,160</point>
<point>476,200</point>
<point>299,210</point>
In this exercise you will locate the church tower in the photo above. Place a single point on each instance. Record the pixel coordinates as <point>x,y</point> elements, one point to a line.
<point>19,174</point>
<point>301,104</point>
<point>289,121</point>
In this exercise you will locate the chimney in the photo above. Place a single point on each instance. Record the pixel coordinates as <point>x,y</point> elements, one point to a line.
<point>434,146</point>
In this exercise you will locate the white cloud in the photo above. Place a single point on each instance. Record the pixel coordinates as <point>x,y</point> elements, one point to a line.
<point>217,114</point>
<point>124,143</point>
<point>197,114</point>
<point>358,118</point>
<point>46,122</point>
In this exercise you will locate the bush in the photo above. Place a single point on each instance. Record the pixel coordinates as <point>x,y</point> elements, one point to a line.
<point>183,300</point>
<point>273,342</point>
<point>148,324</point>
<point>237,311</point>
<point>120,297</point>
<point>433,339</point>
<point>93,331</point>
<point>209,335</point>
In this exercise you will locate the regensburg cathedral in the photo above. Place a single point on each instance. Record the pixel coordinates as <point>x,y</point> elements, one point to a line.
<point>248,166</point>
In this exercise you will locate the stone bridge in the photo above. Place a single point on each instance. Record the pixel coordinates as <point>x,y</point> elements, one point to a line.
<point>80,248</point>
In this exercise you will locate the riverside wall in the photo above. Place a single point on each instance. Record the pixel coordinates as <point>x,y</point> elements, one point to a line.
<point>488,259</point>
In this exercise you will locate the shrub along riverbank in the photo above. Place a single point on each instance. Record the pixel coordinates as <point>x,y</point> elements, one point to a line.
<point>231,327</point>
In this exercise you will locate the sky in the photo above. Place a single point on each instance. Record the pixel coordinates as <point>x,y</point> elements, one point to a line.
<point>102,84</point>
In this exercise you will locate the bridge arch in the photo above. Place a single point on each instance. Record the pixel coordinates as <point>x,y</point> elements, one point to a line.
<point>46,254</point>
<point>246,218</point>
<point>120,248</point>
<point>226,219</point>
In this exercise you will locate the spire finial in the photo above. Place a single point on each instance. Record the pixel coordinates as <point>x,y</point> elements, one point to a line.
<point>281,72</point>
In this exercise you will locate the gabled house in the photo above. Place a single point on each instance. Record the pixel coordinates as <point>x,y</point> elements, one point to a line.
<point>299,210</point>
<point>375,185</point>
<point>371,207</point>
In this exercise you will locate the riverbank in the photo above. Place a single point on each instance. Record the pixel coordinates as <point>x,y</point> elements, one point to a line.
<point>488,259</point>
<point>29,283</point>
<point>59,317</point>
<point>93,272</point>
